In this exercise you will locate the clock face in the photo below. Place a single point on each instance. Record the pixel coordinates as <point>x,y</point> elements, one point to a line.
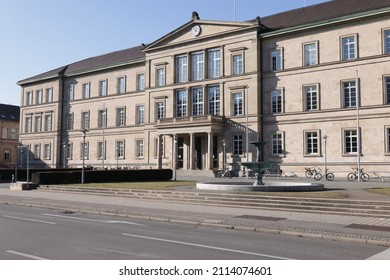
<point>195,30</point>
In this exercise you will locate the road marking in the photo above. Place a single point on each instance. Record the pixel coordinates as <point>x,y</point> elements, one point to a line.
<point>25,255</point>
<point>92,220</point>
<point>205,246</point>
<point>29,220</point>
<point>384,255</point>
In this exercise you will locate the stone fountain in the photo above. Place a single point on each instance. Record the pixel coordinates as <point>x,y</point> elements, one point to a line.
<point>259,168</point>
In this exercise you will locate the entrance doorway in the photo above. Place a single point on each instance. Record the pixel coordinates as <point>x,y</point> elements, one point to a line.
<point>180,153</point>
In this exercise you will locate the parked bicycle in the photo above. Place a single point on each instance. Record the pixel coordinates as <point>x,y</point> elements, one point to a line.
<point>224,174</point>
<point>329,176</point>
<point>311,171</point>
<point>354,175</point>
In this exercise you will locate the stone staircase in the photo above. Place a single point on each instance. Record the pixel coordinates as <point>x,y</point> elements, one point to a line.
<point>366,208</point>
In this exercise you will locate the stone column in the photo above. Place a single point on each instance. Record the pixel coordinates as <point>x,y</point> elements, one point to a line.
<point>209,161</point>
<point>159,152</point>
<point>192,145</point>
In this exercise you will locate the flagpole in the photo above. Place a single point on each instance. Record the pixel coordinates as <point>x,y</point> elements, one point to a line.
<point>358,123</point>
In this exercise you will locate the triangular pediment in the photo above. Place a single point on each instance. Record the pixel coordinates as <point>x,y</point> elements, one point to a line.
<point>199,30</point>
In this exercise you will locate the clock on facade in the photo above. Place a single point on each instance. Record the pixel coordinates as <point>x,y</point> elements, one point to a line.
<point>196,30</point>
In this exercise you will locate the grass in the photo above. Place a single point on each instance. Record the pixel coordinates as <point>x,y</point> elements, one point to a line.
<point>166,185</point>
<point>384,191</point>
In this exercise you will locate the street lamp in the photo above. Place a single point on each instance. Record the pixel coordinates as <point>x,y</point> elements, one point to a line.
<point>28,160</point>
<point>326,167</point>
<point>174,157</point>
<point>224,154</point>
<point>84,131</point>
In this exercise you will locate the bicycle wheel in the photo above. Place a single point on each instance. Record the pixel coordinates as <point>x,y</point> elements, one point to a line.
<point>330,176</point>
<point>318,176</point>
<point>351,176</point>
<point>308,174</point>
<point>228,175</point>
<point>219,174</point>
<point>365,177</point>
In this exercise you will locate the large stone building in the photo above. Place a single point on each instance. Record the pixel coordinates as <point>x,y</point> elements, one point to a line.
<point>9,128</point>
<point>293,80</point>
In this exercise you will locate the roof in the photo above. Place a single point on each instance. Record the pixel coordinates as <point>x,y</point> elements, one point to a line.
<point>322,12</point>
<point>112,59</point>
<point>9,112</point>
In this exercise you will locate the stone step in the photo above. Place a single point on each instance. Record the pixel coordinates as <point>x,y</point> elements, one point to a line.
<point>352,207</point>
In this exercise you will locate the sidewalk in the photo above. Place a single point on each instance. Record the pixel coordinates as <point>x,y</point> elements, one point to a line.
<point>313,225</point>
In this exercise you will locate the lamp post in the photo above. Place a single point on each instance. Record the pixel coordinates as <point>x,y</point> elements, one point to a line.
<point>325,159</point>
<point>83,167</point>
<point>224,154</point>
<point>174,156</point>
<point>28,160</point>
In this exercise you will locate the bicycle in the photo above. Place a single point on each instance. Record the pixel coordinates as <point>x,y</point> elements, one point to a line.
<point>329,176</point>
<point>224,174</point>
<point>310,172</point>
<point>354,175</point>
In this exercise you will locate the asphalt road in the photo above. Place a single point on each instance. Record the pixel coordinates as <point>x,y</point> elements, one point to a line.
<point>33,233</point>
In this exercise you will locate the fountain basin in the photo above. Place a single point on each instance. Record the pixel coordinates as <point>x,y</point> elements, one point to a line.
<point>268,187</point>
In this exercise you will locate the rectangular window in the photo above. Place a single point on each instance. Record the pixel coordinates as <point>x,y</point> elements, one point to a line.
<point>39,97</point>
<point>103,88</point>
<point>86,91</point>
<point>237,145</point>
<point>310,54</point>
<point>29,98</point>
<point>387,131</point>
<point>350,142</point>
<point>38,123</point>
<point>120,116</point>
<point>276,60</point>
<point>69,121</point>
<point>49,95</point>
<point>214,100</point>
<point>386,41</point>
<point>238,108</point>
<point>4,133</point>
<point>121,85</point>
<point>14,133</point>
<point>85,120</point>
<point>160,73</point>
<point>387,90</point>
<point>141,82</point>
<point>277,144</point>
<point>311,139</point>
<point>311,97</point>
<point>101,150</point>
<point>140,114</point>
<point>47,151</point>
<point>84,150</point>
<point>348,48</point>
<point>140,148</point>
<point>181,103</point>
<point>349,94</point>
<point>48,122</point>
<point>27,124</point>
<point>37,151</point>
<point>7,155</point>
<point>197,101</point>
<point>71,92</point>
<point>276,101</point>
<point>69,150</point>
<point>238,64</point>
<point>197,61</point>
<point>120,149</point>
<point>214,67</point>
<point>182,69</point>
<point>102,118</point>
<point>160,112</point>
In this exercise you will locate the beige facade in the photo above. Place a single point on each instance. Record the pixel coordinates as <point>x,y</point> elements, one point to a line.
<point>172,103</point>
<point>9,129</point>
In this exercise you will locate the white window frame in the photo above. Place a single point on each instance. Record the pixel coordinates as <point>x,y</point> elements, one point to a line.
<point>309,91</point>
<point>197,66</point>
<point>48,122</point>
<point>47,151</point>
<point>160,109</point>
<point>121,116</point>
<point>312,143</point>
<point>38,123</point>
<point>120,149</point>
<point>238,66</point>
<point>238,145</point>
<point>277,140</point>
<point>37,151</point>
<point>214,96</point>
<point>139,144</point>
<point>141,82</point>
<point>49,95</point>
<point>140,109</point>
<point>101,151</point>
<point>349,49</point>
<point>102,118</point>
<point>121,84</point>
<point>103,87</point>
<point>39,96</point>
<point>28,124</point>
<point>349,94</point>
<point>350,135</point>
<point>310,53</point>
<point>85,120</point>
<point>197,100</point>
<point>386,41</point>
<point>182,68</point>
<point>181,103</point>
<point>71,92</point>
<point>238,103</point>
<point>84,150</point>
<point>160,76</point>
<point>276,98</point>
<point>86,90</point>
<point>214,63</point>
<point>276,60</point>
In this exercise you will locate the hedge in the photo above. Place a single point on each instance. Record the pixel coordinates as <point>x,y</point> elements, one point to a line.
<point>101,176</point>
<point>6,174</point>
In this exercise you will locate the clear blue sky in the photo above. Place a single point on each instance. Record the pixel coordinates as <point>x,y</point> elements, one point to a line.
<point>40,35</point>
